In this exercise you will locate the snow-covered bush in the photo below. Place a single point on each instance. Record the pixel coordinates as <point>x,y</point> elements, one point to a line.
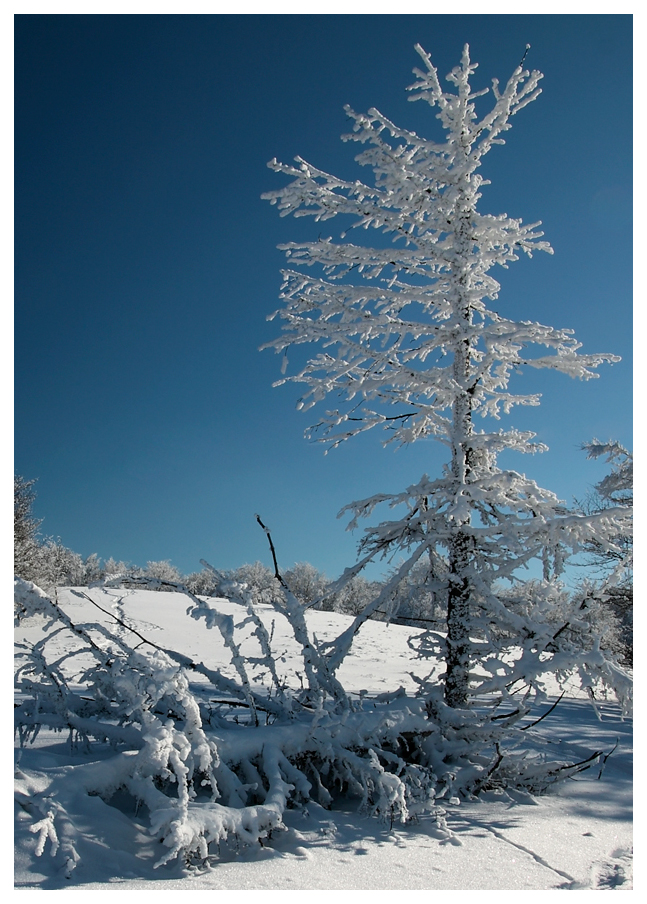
<point>259,579</point>
<point>306,582</point>
<point>25,528</point>
<point>162,570</point>
<point>613,565</point>
<point>352,596</point>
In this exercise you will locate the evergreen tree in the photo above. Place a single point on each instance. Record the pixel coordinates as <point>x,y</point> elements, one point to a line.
<point>414,346</point>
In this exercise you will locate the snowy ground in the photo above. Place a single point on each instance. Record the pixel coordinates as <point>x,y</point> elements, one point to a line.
<point>578,838</point>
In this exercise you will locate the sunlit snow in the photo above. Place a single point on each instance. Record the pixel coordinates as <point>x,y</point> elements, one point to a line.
<point>577,838</point>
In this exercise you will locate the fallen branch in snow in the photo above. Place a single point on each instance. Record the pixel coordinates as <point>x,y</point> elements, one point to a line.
<point>165,749</point>
<point>207,775</point>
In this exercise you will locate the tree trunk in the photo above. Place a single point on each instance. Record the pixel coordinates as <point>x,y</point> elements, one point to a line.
<point>458,608</point>
<point>458,621</point>
<point>458,601</point>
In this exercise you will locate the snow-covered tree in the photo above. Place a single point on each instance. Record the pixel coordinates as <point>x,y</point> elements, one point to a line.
<point>59,566</point>
<point>220,752</point>
<point>615,489</point>
<point>93,570</point>
<point>306,582</point>
<point>162,571</point>
<point>25,528</point>
<point>411,343</point>
<point>613,564</point>
<point>352,596</point>
<point>259,580</point>
<point>416,601</point>
<point>201,583</point>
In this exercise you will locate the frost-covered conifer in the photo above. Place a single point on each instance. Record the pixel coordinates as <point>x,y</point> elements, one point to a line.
<point>410,342</point>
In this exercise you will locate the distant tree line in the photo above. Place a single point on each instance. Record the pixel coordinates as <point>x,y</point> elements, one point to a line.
<point>417,600</point>
<point>48,563</point>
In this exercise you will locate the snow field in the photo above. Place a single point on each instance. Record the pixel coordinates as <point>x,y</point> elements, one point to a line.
<point>578,838</point>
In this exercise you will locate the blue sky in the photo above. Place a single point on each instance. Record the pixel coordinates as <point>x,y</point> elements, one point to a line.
<point>146,262</point>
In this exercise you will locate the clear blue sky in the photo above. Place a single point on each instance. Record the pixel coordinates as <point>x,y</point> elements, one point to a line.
<point>146,262</point>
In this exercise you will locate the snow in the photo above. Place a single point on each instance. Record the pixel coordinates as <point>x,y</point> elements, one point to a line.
<point>579,837</point>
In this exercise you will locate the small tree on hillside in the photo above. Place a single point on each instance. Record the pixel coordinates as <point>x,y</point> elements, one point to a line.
<point>162,571</point>
<point>25,528</point>
<point>353,596</point>
<point>259,580</point>
<point>414,347</point>
<point>306,582</point>
<point>59,566</point>
<point>201,583</point>
<point>615,489</point>
<point>614,564</point>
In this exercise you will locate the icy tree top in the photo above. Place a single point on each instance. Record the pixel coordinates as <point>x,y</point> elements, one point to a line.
<point>391,339</point>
